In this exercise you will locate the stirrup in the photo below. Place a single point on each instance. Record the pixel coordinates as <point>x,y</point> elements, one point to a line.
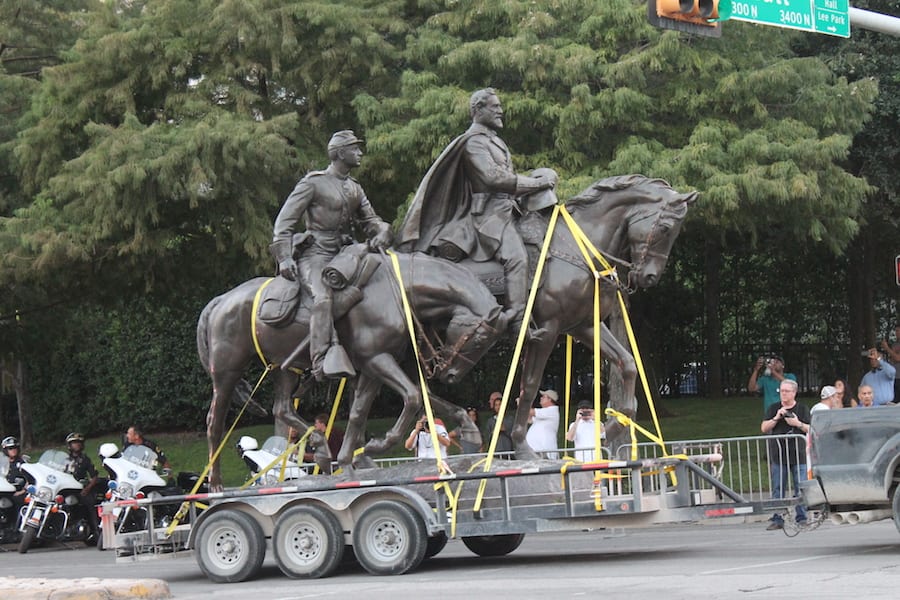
<point>337,364</point>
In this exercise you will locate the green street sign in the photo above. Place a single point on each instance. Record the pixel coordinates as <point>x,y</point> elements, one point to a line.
<point>831,17</point>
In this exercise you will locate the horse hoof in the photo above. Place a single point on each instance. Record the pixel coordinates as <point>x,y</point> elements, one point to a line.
<point>364,462</point>
<point>526,454</point>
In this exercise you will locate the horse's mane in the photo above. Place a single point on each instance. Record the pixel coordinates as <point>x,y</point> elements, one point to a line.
<point>596,191</point>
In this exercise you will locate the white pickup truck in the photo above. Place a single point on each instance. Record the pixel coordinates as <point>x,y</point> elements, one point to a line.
<point>854,457</point>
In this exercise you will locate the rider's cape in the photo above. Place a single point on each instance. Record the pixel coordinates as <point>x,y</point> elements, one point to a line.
<point>441,209</point>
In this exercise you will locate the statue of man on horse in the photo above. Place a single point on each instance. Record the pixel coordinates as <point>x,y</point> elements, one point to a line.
<point>329,202</point>
<point>467,202</point>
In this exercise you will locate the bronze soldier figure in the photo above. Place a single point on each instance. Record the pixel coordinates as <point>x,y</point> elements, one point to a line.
<point>467,201</point>
<point>330,202</point>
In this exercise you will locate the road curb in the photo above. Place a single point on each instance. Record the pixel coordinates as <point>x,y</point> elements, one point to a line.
<point>88,588</point>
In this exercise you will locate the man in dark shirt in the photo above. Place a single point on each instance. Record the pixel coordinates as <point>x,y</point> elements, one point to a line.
<point>787,455</point>
<point>135,437</point>
<point>82,469</point>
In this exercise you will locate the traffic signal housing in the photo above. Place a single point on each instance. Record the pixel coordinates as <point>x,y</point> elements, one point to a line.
<point>700,17</point>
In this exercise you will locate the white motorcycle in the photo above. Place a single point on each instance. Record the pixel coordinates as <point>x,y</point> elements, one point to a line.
<point>52,510</point>
<point>269,455</point>
<point>132,474</point>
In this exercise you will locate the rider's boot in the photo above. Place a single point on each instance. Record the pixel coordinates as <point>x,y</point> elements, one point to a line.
<point>329,360</point>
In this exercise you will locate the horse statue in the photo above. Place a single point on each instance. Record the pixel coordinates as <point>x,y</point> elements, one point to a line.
<point>462,321</point>
<point>629,216</point>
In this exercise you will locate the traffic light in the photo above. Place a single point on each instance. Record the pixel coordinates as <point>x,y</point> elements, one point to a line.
<point>897,268</point>
<point>700,17</point>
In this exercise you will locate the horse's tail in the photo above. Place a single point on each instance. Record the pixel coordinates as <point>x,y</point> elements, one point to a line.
<point>203,332</point>
<point>242,389</point>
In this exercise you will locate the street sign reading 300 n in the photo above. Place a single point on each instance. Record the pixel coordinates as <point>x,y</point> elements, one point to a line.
<point>831,17</point>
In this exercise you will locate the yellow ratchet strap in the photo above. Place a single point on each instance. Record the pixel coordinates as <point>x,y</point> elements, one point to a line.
<point>331,418</point>
<point>407,310</point>
<point>182,511</point>
<point>253,334</point>
<point>520,341</point>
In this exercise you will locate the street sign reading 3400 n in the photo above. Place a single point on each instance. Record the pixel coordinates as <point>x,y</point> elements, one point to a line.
<point>831,17</point>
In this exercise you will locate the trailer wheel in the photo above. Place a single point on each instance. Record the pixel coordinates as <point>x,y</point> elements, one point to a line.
<point>435,544</point>
<point>389,538</point>
<point>493,545</point>
<point>895,505</point>
<point>230,547</point>
<point>308,542</point>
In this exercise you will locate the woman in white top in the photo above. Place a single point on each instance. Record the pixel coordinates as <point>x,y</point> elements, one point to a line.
<point>543,434</point>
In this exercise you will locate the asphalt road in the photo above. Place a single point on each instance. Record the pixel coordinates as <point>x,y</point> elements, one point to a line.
<point>672,562</point>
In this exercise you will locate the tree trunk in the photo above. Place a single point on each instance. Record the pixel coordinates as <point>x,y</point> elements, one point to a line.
<point>711,293</point>
<point>23,401</point>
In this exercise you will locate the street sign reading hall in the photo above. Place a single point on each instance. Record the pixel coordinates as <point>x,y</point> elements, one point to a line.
<point>831,17</point>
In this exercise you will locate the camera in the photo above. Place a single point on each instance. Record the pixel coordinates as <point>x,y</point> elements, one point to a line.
<point>864,353</point>
<point>790,415</point>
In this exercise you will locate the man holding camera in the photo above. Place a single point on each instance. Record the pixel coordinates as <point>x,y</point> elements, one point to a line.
<point>420,439</point>
<point>772,369</point>
<point>582,431</point>
<point>880,377</point>
<point>787,453</point>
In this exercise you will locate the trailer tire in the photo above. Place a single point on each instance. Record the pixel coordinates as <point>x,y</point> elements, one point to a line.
<point>308,542</point>
<point>895,506</point>
<point>389,538</point>
<point>435,544</point>
<point>493,545</point>
<point>230,547</point>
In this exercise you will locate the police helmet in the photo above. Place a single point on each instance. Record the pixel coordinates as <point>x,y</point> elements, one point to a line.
<point>10,442</point>
<point>74,437</point>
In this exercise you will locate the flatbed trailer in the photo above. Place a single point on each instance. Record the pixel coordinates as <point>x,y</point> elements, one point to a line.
<point>396,517</point>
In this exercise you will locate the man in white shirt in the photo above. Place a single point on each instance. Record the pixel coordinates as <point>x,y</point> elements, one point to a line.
<point>421,439</point>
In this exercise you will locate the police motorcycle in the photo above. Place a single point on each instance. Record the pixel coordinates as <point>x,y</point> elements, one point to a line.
<point>269,458</point>
<point>9,516</point>
<point>52,510</point>
<point>132,475</point>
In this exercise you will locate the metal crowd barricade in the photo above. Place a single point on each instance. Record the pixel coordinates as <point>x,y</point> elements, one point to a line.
<point>744,467</point>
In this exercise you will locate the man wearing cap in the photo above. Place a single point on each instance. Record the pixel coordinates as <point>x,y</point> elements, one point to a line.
<point>467,201</point>
<point>829,399</point>
<point>581,432</point>
<point>773,374</point>
<point>543,435</point>
<point>329,202</point>
<point>880,377</point>
<point>892,353</point>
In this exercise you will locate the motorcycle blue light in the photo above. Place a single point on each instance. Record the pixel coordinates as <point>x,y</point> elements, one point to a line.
<point>113,485</point>
<point>31,489</point>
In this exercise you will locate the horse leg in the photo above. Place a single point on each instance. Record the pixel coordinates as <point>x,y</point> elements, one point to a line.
<point>385,367</point>
<point>537,352</point>
<point>223,388</point>
<point>288,386</point>
<point>366,389</point>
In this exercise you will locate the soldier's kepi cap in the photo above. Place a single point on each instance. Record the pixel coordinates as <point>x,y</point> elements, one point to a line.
<point>342,139</point>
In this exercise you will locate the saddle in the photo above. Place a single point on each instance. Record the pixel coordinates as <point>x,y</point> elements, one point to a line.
<point>346,274</point>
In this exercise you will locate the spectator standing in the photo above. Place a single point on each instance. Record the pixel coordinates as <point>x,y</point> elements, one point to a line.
<point>420,439</point>
<point>767,384</point>
<point>543,435</point>
<point>892,352</point>
<point>829,399</point>
<point>880,377</point>
<point>866,396</point>
<point>504,441</point>
<point>844,396</point>
<point>787,455</point>
<point>581,432</point>
<point>334,443</point>
<point>467,435</point>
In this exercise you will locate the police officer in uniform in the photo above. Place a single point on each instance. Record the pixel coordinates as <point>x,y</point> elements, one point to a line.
<point>329,202</point>
<point>82,469</point>
<point>15,476</point>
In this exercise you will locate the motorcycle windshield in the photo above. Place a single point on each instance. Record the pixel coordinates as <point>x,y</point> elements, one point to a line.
<point>275,445</point>
<point>4,465</point>
<point>55,459</point>
<point>142,456</point>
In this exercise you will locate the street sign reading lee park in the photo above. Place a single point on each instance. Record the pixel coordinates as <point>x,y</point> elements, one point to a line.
<point>831,17</point>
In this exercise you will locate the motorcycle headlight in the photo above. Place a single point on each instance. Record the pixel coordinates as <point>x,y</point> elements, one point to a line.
<point>125,490</point>
<point>44,494</point>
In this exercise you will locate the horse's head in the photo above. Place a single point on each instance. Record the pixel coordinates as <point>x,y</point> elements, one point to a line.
<point>650,220</point>
<point>469,338</point>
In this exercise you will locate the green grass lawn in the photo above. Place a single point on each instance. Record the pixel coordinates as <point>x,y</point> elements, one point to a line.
<point>680,419</point>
